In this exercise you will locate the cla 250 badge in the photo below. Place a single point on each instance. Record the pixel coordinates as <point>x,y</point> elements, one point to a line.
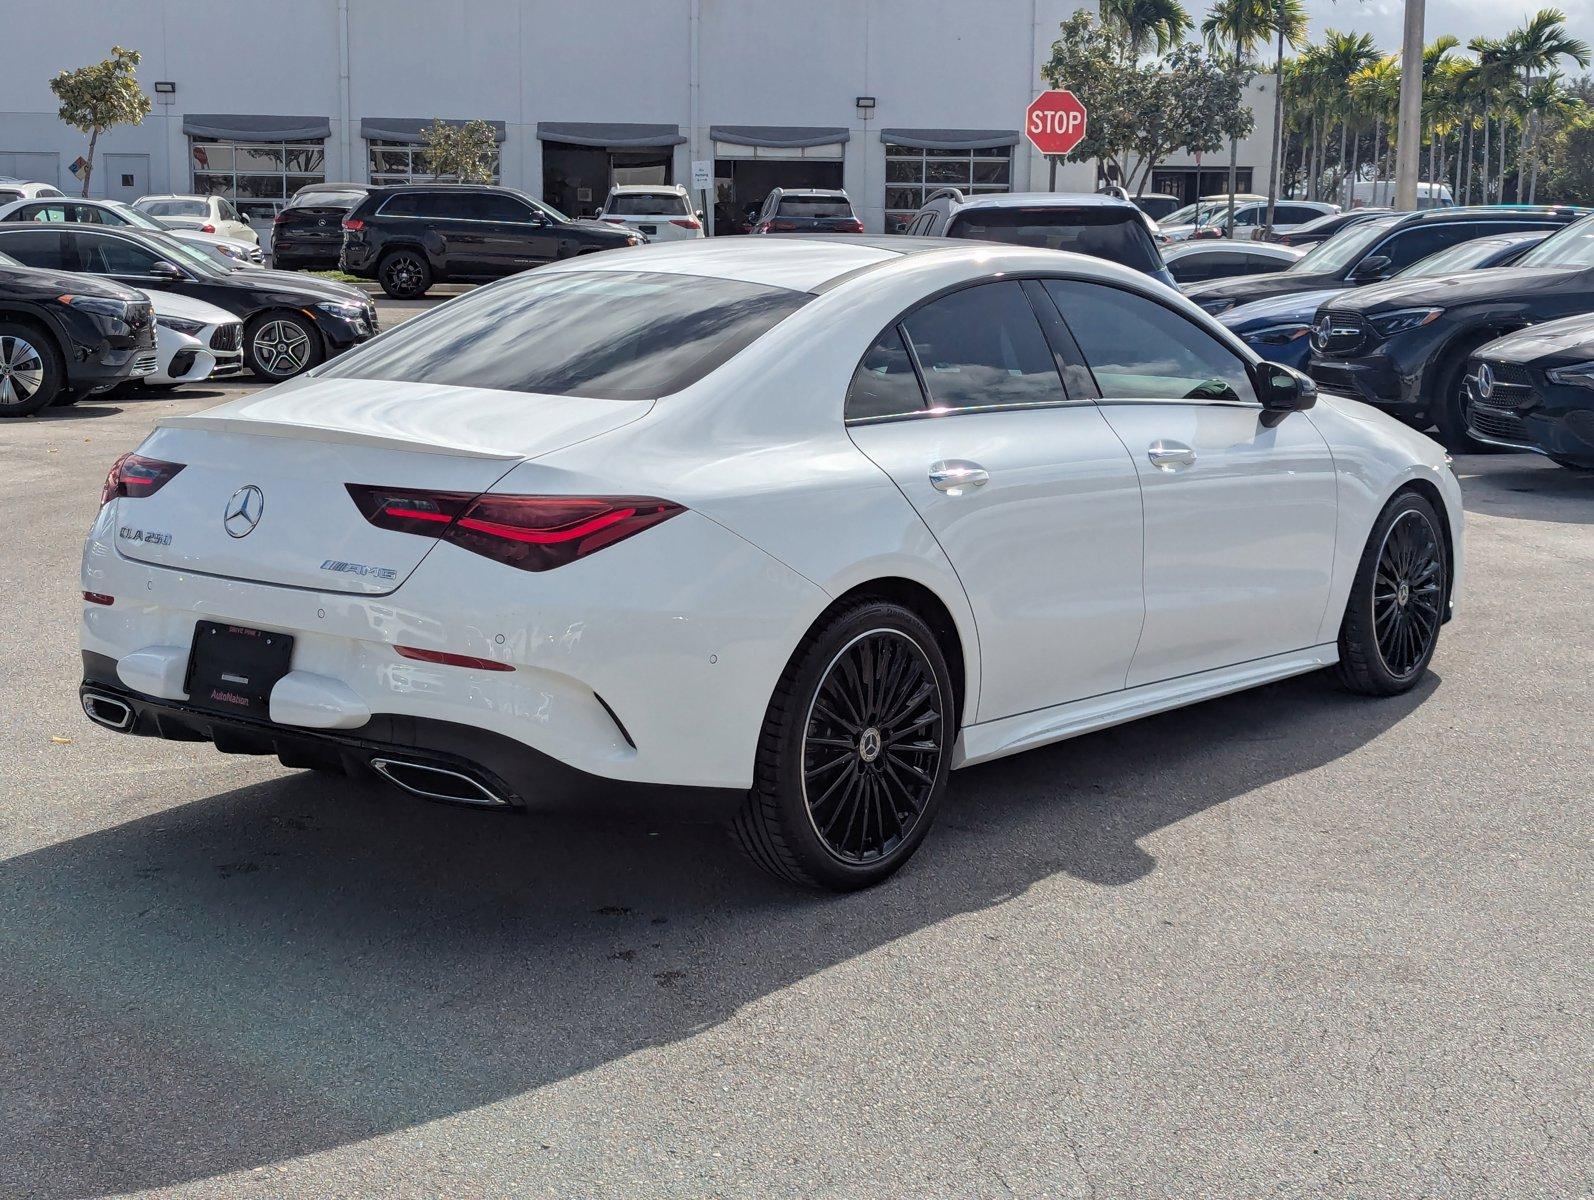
<point>149,537</point>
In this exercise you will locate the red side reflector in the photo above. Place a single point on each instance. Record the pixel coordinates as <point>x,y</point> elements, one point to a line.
<point>136,477</point>
<point>529,533</point>
<point>99,598</point>
<point>686,222</point>
<point>207,227</point>
<point>452,660</point>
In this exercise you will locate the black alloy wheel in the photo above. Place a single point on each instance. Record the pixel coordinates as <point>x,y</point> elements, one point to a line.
<point>872,746</point>
<point>853,758</point>
<point>1397,600</point>
<point>405,275</point>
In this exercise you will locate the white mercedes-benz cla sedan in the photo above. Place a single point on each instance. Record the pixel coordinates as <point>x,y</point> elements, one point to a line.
<point>805,523</point>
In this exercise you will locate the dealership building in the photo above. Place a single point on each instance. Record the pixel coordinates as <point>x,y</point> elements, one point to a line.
<point>889,99</point>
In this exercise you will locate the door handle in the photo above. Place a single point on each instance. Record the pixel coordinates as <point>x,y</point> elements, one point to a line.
<point>1167,455</point>
<point>955,476</point>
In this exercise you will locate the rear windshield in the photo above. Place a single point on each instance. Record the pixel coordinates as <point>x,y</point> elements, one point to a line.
<point>1116,234</point>
<point>1334,254</point>
<point>814,206</point>
<point>1572,246</point>
<point>343,200</point>
<point>646,204</point>
<point>619,335</point>
<point>174,208</point>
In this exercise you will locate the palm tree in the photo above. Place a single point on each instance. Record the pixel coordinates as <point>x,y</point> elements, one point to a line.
<point>1344,54</point>
<point>1242,25</point>
<point>1486,79</point>
<point>1435,57</point>
<point>1547,101</point>
<point>1537,48</point>
<point>1287,22</point>
<point>1375,90</point>
<point>1147,23</point>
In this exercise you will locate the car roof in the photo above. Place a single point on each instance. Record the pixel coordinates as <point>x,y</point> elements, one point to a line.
<point>802,262</point>
<point>646,188</point>
<point>1040,200</point>
<point>786,191</point>
<point>334,186</point>
<point>1227,246</point>
<point>1491,212</point>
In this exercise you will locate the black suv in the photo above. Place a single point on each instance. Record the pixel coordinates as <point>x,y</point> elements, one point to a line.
<point>308,232</point>
<point>1404,346</point>
<point>1372,251</point>
<point>66,336</point>
<point>411,237</point>
<point>1534,390</point>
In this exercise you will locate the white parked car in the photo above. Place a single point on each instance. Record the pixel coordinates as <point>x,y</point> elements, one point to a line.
<point>228,251</point>
<point>804,522</point>
<point>208,214</point>
<point>1287,215</point>
<point>24,189</point>
<point>660,212</point>
<point>195,341</point>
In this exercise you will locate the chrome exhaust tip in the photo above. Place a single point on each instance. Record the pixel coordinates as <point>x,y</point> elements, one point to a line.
<point>437,783</point>
<point>108,711</point>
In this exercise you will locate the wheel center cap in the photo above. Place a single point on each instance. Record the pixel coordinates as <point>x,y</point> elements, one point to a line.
<point>869,744</point>
<point>1403,594</point>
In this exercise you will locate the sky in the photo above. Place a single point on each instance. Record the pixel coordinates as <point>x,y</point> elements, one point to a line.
<point>1465,19</point>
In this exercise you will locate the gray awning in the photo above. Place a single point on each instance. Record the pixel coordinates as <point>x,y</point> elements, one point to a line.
<point>619,135</point>
<point>253,127</point>
<point>782,136</point>
<point>408,129</point>
<point>950,139</point>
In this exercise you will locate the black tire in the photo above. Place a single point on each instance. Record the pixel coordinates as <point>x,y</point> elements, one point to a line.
<point>1447,406</point>
<point>66,398</point>
<point>404,274</point>
<point>874,759</point>
<point>31,372</point>
<point>281,345</point>
<point>1397,601</point>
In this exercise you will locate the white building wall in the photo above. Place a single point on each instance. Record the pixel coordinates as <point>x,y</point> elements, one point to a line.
<point>928,63</point>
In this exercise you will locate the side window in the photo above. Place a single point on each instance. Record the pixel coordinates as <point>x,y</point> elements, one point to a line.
<point>1138,349</point>
<point>982,347</point>
<point>405,204</point>
<point>1410,245</point>
<point>1249,216</point>
<point>52,213</point>
<point>85,214</point>
<point>112,256</point>
<point>228,212</point>
<point>45,249</point>
<point>1294,214</point>
<point>485,206</point>
<point>885,384</point>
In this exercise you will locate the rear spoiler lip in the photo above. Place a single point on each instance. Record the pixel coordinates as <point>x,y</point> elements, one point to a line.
<point>327,433</point>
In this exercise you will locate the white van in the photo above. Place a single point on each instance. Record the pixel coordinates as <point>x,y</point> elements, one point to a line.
<point>1380,193</point>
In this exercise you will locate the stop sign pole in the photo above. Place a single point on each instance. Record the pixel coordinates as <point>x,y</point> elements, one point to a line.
<point>1055,123</point>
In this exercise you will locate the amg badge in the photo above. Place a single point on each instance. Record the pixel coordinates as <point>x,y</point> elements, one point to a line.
<point>348,568</point>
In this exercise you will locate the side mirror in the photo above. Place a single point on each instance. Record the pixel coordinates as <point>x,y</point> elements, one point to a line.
<point>1371,268</point>
<point>167,270</point>
<point>1284,390</point>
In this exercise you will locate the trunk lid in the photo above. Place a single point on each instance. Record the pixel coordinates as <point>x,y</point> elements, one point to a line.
<point>285,455</point>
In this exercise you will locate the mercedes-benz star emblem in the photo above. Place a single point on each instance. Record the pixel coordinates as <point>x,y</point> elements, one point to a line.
<point>1321,332</point>
<point>1485,380</point>
<point>244,511</point>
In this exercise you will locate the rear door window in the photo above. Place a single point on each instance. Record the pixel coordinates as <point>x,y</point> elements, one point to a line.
<point>1116,234</point>
<point>1137,349</point>
<point>885,384</point>
<point>46,249</point>
<point>486,206</point>
<point>111,256</point>
<point>982,347</point>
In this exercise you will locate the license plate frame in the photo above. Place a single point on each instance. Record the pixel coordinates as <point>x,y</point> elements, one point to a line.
<point>232,668</point>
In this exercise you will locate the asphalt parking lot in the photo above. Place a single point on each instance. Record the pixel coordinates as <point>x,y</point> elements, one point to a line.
<point>1289,943</point>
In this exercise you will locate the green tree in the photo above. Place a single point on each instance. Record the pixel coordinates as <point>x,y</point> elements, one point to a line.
<point>1184,101</point>
<point>1537,48</point>
<point>462,150</point>
<point>1569,162</point>
<point>99,97</point>
<point>1287,19</point>
<point>1147,23</point>
<point>1240,26</point>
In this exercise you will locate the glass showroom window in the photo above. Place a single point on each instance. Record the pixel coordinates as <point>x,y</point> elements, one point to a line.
<point>405,162</point>
<point>912,175</point>
<point>256,170</point>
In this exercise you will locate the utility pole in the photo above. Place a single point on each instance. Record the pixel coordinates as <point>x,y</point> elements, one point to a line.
<point>1408,151</point>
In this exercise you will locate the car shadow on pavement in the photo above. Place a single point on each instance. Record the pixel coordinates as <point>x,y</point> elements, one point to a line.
<point>310,962</point>
<point>1528,487</point>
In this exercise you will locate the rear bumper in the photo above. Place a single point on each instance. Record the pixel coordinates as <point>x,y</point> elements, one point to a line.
<point>655,666</point>
<point>469,766</point>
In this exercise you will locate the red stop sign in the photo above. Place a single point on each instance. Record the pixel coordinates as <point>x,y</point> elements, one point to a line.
<point>1055,122</point>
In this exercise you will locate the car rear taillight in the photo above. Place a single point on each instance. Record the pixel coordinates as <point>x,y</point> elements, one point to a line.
<point>779,226</point>
<point>353,225</point>
<point>280,218</point>
<point>530,533</point>
<point>686,222</point>
<point>207,227</point>
<point>1205,233</point>
<point>852,226</point>
<point>135,477</point>
<point>615,220</point>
